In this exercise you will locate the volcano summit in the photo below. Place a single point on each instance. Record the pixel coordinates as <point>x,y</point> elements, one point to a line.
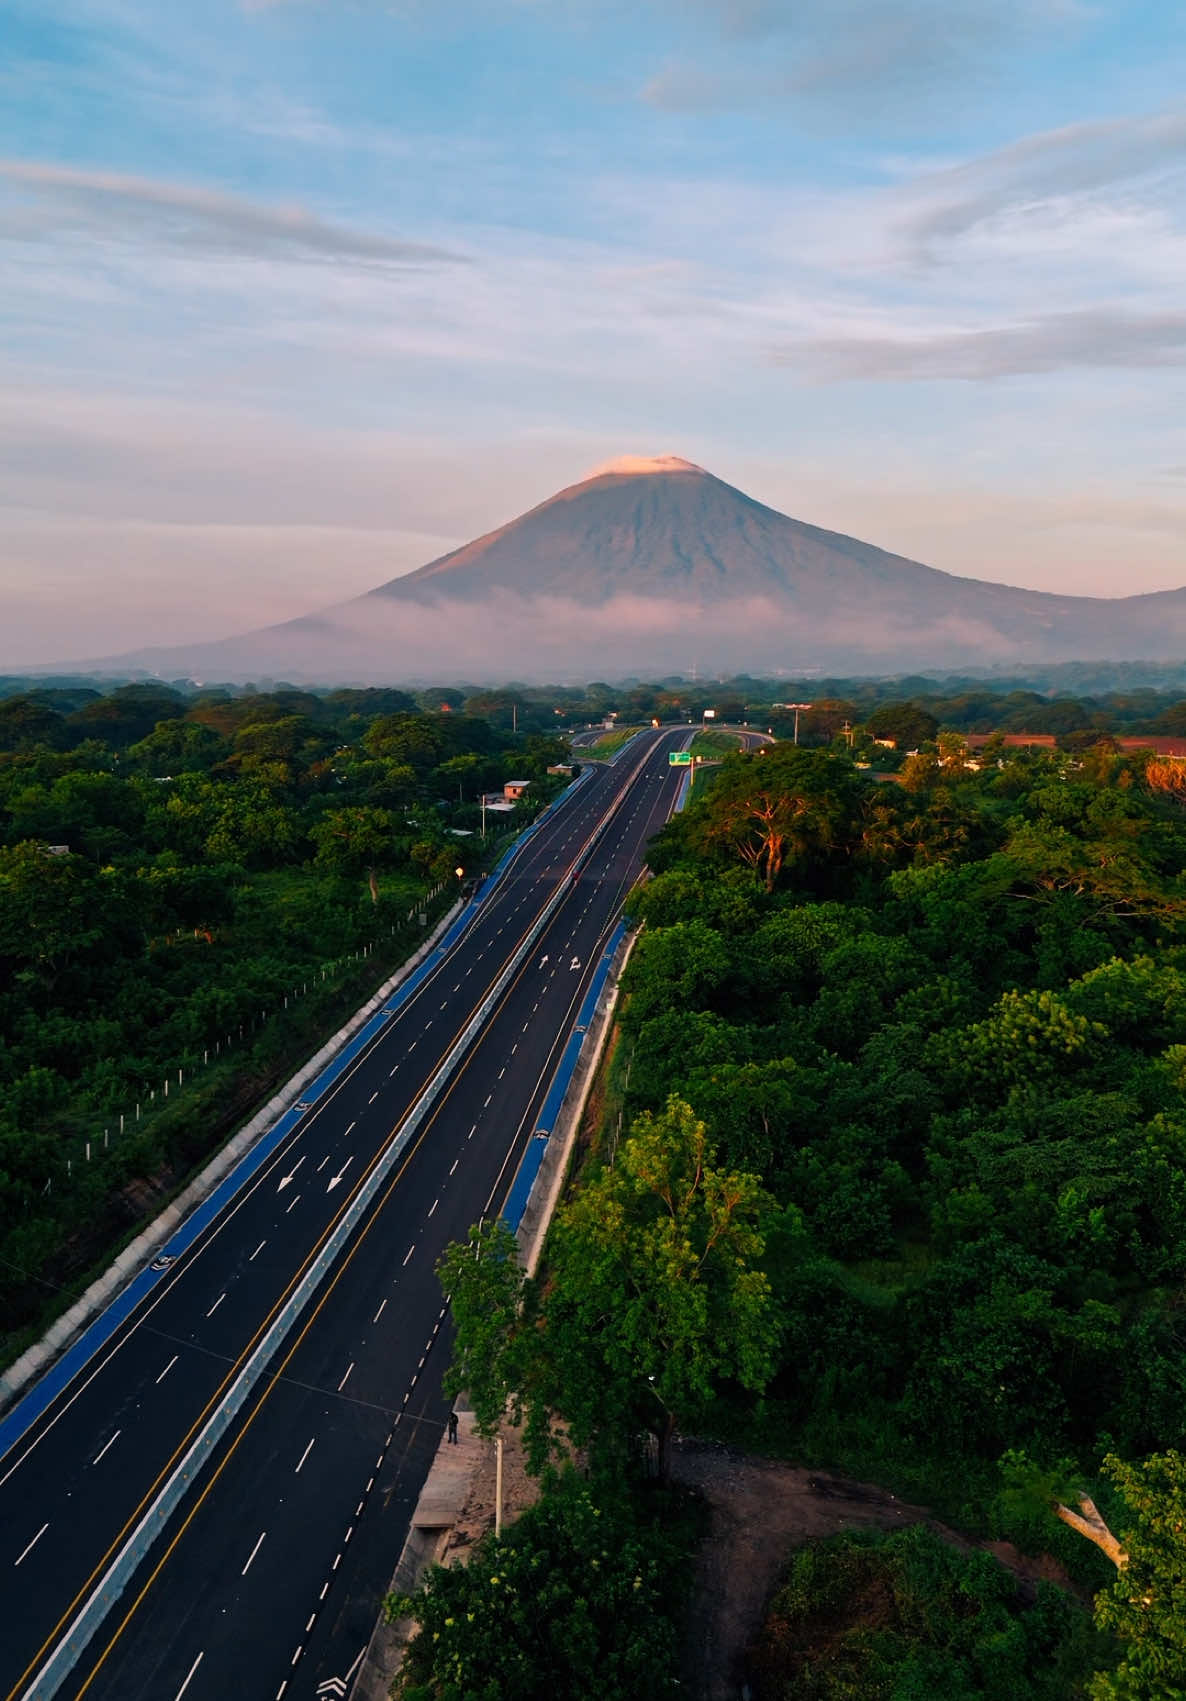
<point>652,565</point>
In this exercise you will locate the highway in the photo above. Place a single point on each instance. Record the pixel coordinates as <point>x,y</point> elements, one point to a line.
<point>266,1579</point>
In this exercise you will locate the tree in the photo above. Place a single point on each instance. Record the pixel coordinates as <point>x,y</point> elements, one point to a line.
<point>778,803</point>
<point>355,841</point>
<point>573,1603</point>
<point>655,1297</point>
<point>906,723</point>
<point>483,1283</point>
<point>1145,1605</point>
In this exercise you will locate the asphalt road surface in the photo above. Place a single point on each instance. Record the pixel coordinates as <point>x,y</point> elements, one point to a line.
<point>267,1579</point>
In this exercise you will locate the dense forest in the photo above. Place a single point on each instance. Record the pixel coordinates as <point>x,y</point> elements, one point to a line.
<point>891,1179</point>
<point>196,890</point>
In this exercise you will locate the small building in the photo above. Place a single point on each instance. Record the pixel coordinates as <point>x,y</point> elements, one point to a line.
<point>496,804</point>
<point>560,768</point>
<point>513,789</point>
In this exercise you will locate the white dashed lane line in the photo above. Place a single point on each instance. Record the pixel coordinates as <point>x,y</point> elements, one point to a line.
<point>108,1444</point>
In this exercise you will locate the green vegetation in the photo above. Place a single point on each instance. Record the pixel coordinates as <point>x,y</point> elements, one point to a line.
<point>196,890</point>
<point>610,743</point>
<point>890,1618</point>
<point>712,743</point>
<point>902,1192</point>
<point>577,1601</point>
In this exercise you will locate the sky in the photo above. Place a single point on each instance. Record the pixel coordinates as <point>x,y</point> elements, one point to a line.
<point>296,295</point>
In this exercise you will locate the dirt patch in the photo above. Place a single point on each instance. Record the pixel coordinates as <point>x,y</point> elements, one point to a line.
<point>759,1510</point>
<point>519,1491</point>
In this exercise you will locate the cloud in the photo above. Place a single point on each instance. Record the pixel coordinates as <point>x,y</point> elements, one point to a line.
<point>1055,342</point>
<point>1077,159</point>
<point>890,52</point>
<point>191,217</point>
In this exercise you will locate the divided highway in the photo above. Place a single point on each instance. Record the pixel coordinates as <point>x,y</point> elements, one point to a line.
<point>266,1578</point>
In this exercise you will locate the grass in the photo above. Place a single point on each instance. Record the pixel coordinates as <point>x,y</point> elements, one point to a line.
<point>609,742</point>
<point>714,743</point>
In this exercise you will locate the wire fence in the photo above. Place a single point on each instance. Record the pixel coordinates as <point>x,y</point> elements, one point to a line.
<point>156,1098</point>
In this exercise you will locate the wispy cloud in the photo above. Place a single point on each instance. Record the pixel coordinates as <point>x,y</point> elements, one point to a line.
<point>1092,337</point>
<point>890,53</point>
<point>184,215</point>
<point>1075,160</point>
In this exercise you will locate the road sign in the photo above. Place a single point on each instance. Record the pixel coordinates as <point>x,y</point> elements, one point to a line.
<point>679,758</point>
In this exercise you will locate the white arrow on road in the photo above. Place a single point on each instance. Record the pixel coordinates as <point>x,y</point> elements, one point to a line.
<point>334,1179</point>
<point>543,959</point>
<point>285,1179</point>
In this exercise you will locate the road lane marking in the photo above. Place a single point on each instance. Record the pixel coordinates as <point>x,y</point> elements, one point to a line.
<point>167,1369</point>
<point>257,1252</point>
<point>26,1551</point>
<point>285,1179</point>
<point>206,1492</point>
<point>335,1179</point>
<point>222,1296</point>
<point>304,1455</point>
<point>372,1098</point>
<point>106,1445</point>
<point>311,1623</point>
<point>354,1125</point>
<point>189,1674</point>
<point>435,1203</point>
<point>253,1553</point>
<point>296,1201</point>
<point>410,1251</point>
<point>322,1164</point>
<point>378,1313</point>
<point>456,1161</point>
<point>489,1096</point>
<point>502,1071</point>
<point>346,1378</point>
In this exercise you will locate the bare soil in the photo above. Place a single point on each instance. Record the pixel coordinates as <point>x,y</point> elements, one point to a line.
<point>759,1510</point>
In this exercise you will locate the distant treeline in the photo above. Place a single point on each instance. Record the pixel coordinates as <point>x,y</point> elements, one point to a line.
<point>1076,702</point>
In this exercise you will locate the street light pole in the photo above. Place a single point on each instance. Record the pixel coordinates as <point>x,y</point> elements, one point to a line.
<point>797,707</point>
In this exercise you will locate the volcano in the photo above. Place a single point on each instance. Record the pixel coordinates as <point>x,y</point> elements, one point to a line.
<point>651,565</point>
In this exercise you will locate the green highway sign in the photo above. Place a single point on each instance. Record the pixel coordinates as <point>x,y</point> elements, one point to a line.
<point>679,758</point>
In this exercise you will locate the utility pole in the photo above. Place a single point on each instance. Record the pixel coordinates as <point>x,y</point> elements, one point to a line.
<point>497,1487</point>
<point>514,717</point>
<point>797,707</point>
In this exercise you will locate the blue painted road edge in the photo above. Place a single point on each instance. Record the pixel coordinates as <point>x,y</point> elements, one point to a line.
<point>545,1126</point>
<point>43,1392</point>
<point>533,1157</point>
